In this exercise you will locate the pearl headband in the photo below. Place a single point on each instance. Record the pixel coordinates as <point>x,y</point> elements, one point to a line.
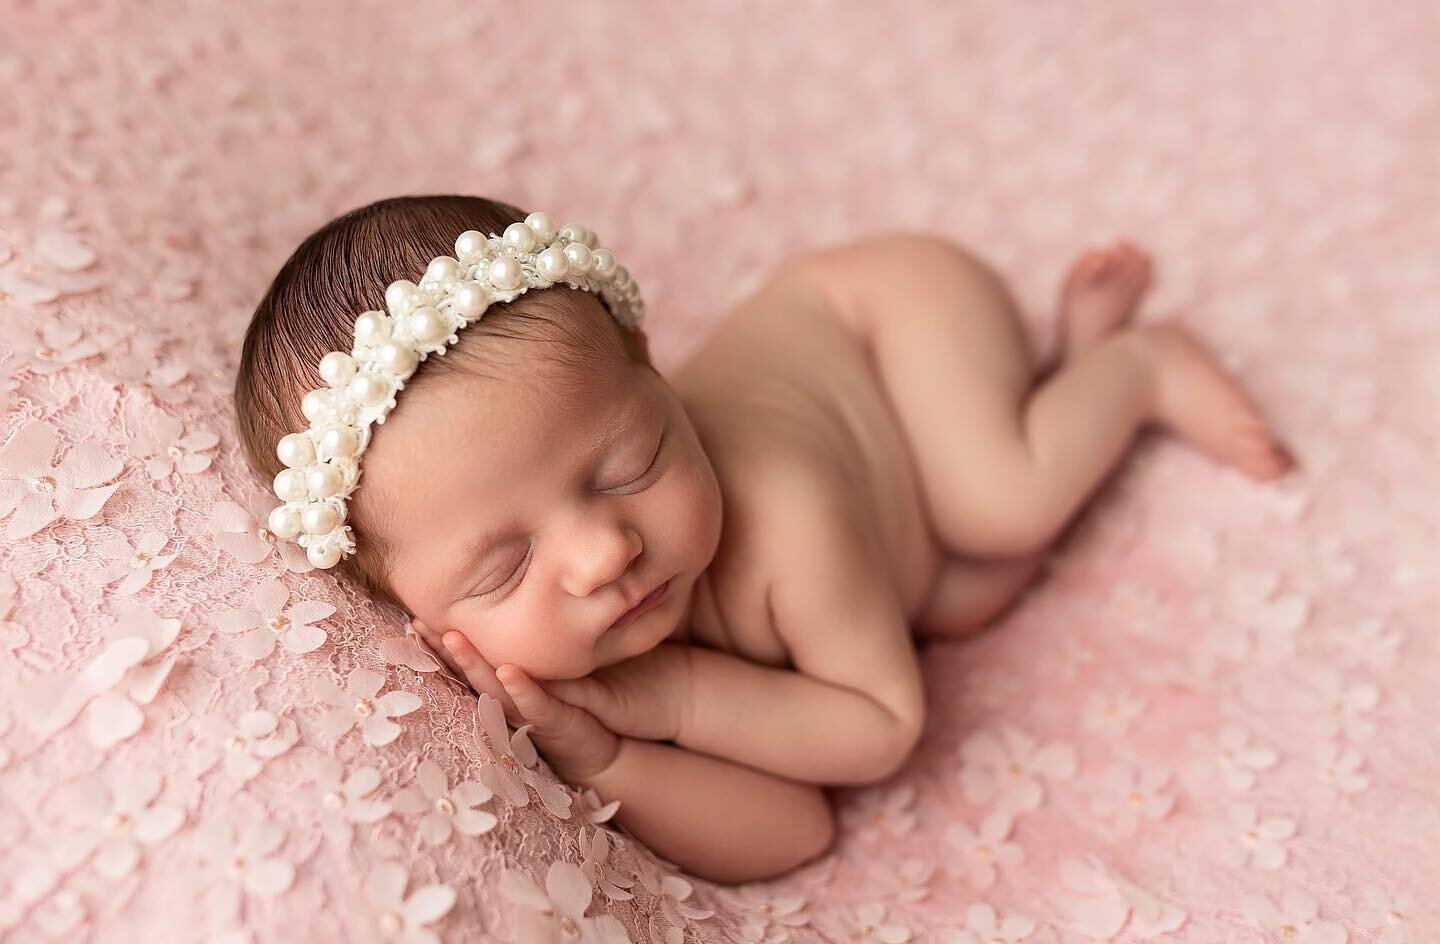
<point>322,464</point>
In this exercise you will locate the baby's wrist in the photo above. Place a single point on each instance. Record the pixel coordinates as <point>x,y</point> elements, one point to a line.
<point>598,761</point>
<point>597,768</point>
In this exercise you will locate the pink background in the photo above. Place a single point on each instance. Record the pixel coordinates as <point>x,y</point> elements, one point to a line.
<point>1260,661</point>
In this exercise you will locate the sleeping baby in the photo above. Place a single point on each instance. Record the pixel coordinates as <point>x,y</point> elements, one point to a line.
<point>703,590</point>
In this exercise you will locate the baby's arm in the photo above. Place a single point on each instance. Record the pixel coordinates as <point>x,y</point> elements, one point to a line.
<point>794,725</point>
<point>791,724</point>
<point>716,820</point>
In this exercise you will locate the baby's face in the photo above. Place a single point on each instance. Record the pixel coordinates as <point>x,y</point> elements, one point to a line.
<point>529,518</point>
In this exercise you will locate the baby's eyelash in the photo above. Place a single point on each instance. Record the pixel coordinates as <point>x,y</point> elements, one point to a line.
<point>659,450</point>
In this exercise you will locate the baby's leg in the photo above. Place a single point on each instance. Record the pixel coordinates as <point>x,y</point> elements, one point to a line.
<point>1005,464</point>
<point>1101,293</point>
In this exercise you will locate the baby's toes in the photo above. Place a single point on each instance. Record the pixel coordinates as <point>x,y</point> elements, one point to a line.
<point>1258,452</point>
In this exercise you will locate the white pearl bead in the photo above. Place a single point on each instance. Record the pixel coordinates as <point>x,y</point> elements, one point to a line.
<point>398,295</point>
<point>622,276</point>
<point>323,556</point>
<point>369,389</point>
<point>472,242</point>
<point>290,485</point>
<point>572,233</point>
<point>295,450</point>
<point>589,237</point>
<point>602,262</point>
<point>442,269</point>
<point>426,325</point>
<point>315,404</point>
<point>319,518</point>
<point>373,327</point>
<point>553,263</point>
<point>470,299</point>
<point>579,256</point>
<point>542,225</point>
<point>505,273</point>
<point>397,359</point>
<point>284,521</point>
<point>337,442</point>
<point>336,368</point>
<point>520,236</point>
<point>323,480</point>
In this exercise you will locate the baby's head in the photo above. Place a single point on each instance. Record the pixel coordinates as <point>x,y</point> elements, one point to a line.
<point>510,493</point>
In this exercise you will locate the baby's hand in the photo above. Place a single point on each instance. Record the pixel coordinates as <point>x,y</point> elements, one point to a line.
<point>464,660</point>
<point>577,746</point>
<point>643,697</point>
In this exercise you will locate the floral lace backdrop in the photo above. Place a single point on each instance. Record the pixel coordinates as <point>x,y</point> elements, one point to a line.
<point>1214,721</point>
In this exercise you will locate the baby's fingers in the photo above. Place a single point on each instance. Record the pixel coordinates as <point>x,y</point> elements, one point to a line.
<point>572,740</point>
<point>550,716</point>
<point>479,673</point>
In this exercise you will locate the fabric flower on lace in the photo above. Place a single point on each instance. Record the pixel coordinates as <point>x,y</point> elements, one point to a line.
<point>243,853</point>
<point>867,922</point>
<point>39,492</point>
<point>910,881</point>
<point>596,850</point>
<point>1256,842</point>
<point>1342,707</point>
<point>246,744</point>
<point>143,366</point>
<point>1107,901</point>
<point>396,917</point>
<point>765,911</point>
<point>1138,610</point>
<point>1111,714</point>
<point>984,926</point>
<point>1369,642</point>
<point>1395,916</point>
<point>1257,620</point>
<point>510,758</point>
<point>591,807</point>
<point>1294,920</point>
<point>1126,793</point>
<point>883,814</point>
<point>1239,759</point>
<point>356,704</point>
<point>670,890</point>
<point>112,690</point>
<point>1009,766</point>
<point>445,809</point>
<point>557,913</point>
<point>137,562</point>
<point>270,622</point>
<point>245,535</point>
<point>48,346</point>
<point>163,442</point>
<point>109,821</point>
<point>981,851</point>
<point>1340,767</point>
<point>57,264</point>
<point>342,801</point>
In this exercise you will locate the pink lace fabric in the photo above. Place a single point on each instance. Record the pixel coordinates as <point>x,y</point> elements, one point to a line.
<point>1215,720</point>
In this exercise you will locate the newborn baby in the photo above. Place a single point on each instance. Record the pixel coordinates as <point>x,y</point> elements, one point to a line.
<point>704,590</point>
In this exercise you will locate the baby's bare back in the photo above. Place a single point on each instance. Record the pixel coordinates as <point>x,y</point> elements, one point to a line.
<point>814,472</point>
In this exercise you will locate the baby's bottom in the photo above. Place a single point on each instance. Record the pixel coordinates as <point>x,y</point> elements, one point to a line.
<point>1007,456</point>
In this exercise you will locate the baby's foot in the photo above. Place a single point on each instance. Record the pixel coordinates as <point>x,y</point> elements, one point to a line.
<point>1203,403</point>
<point>1101,293</point>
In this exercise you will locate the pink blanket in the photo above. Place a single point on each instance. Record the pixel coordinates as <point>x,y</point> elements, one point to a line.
<point>1215,719</point>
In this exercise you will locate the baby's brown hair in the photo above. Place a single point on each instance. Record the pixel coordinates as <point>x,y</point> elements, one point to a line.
<point>343,269</point>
